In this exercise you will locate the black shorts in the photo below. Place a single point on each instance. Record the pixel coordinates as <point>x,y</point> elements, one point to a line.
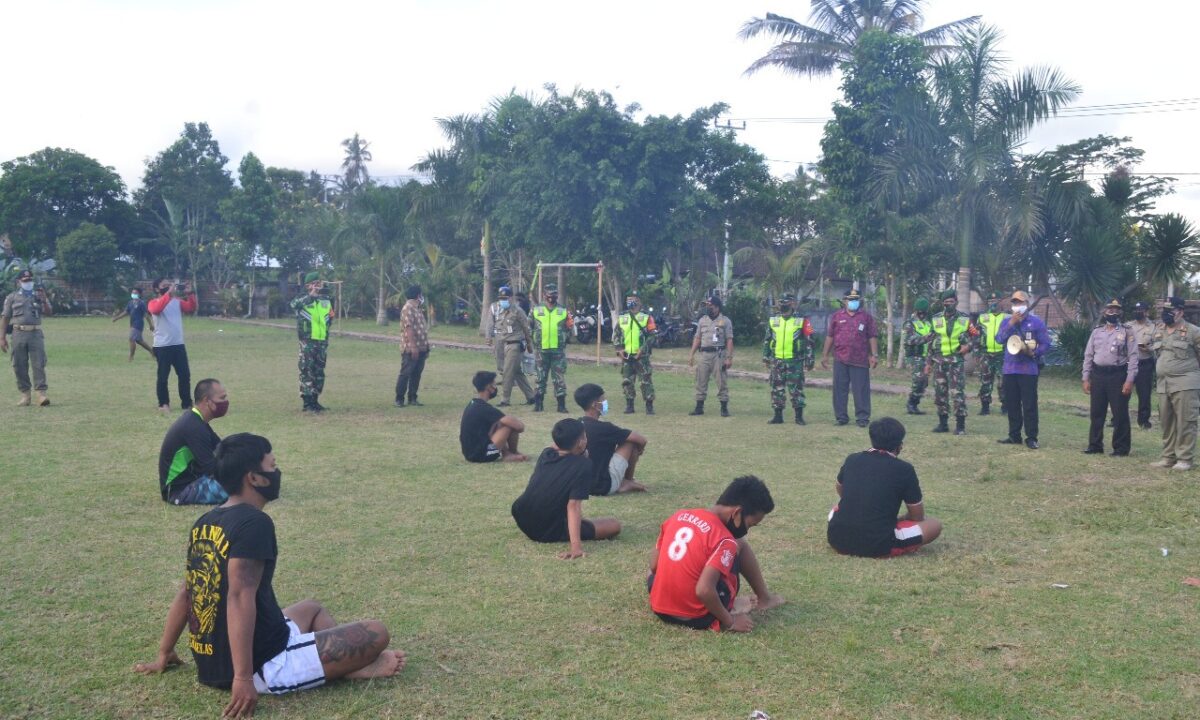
<point>558,532</point>
<point>487,454</point>
<point>705,621</point>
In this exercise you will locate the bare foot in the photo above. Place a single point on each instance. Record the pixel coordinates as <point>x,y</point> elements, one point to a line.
<point>742,605</point>
<point>770,601</point>
<point>630,485</point>
<point>515,457</point>
<point>387,664</point>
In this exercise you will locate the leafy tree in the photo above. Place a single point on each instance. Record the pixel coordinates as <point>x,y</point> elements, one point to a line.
<point>835,27</point>
<point>49,193</point>
<point>87,256</point>
<point>373,233</point>
<point>249,214</point>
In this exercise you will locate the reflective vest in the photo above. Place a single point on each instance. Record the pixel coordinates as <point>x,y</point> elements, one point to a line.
<point>922,328</point>
<point>991,326</point>
<point>318,319</point>
<point>950,343</point>
<point>783,335</point>
<point>549,320</point>
<point>631,332</point>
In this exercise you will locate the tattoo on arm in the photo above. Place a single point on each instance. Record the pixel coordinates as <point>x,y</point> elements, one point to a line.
<point>345,642</point>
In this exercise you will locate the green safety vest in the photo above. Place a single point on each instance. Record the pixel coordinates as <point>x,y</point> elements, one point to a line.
<point>783,332</point>
<point>950,343</point>
<point>549,320</point>
<point>991,326</point>
<point>318,320</point>
<point>631,333</point>
<point>921,327</point>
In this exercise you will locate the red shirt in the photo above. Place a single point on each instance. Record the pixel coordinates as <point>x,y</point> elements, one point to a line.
<point>689,541</point>
<point>851,335</point>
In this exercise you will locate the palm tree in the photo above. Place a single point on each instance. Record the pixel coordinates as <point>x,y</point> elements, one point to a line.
<point>1171,251</point>
<point>354,166</point>
<point>373,232</point>
<point>774,274</point>
<point>834,27</point>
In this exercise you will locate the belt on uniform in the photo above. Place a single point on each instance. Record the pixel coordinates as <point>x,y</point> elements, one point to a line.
<point>513,342</point>
<point>704,349</point>
<point>1109,368</point>
<point>27,328</point>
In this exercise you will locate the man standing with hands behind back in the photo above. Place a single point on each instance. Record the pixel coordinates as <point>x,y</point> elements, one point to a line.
<point>714,340</point>
<point>23,311</point>
<point>1109,368</point>
<point>1143,330</point>
<point>851,337</point>
<point>1176,346</point>
<point>1021,370</point>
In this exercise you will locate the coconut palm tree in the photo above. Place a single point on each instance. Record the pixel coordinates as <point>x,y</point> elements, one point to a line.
<point>834,27</point>
<point>354,165</point>
<point>775,274</point>
<point>1170,251</point>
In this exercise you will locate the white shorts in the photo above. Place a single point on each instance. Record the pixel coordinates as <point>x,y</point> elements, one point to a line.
<point>616,472</point>
<point>298,667</point>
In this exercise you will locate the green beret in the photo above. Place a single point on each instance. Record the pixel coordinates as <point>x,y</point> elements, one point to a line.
<point>921,305</point>
<point>312,277</point>
<point>948,295</point>
<point>993,296</point>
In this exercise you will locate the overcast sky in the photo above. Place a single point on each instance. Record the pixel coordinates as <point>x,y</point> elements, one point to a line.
<point>116,79</point>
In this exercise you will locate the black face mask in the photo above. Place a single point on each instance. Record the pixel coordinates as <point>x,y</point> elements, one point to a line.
<point>949,309</point>
<point>493,393</point>
<point>736,530</point>
<point>1168,317</point>
<point>1139,315</point>
<point>1111,319</point>
<point>270,492</point>
<point>785,309</point>
<point>713,313</point>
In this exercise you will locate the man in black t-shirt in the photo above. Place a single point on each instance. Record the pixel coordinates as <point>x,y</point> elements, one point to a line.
<point>240,639</point>
<point>485,433</point>
<point>871,485</point>
<point>614,451</point>
<point>186,465</point>
<point>551,508</point>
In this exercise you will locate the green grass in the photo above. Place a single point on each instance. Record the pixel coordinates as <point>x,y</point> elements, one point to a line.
<point>380,517</point>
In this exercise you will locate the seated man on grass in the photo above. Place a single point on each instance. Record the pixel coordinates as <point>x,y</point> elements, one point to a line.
<point>551,508</point>
<point>700,553</point>
<point>614,451</point>
<point>871,485</point>
<point>186,467</point>
<point>240,639</point>
<point>486,434</point>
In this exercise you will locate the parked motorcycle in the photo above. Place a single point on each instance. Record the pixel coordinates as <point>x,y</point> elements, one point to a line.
<point>584,322</point>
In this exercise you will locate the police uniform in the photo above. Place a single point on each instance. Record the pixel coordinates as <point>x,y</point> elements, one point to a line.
<point>23,311</point>
<point>313,315</point>
<point>1143,330</point>
<point>918,333</point>
<point>991,355</point>
<point>714,335</point>
<point>1110,363</point>
<point>950,334</point>
<point>787,351</point>
<point>511,332</point>
<point>1177,364</point>
<point>550,325</point>
<point>634,337</point>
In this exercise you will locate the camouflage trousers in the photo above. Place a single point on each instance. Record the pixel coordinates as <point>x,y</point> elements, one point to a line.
<point>920,381</point>
<point>949,377</point>
<point>552,363</point>
<point>991,366</point>
<point>312,368</point>
<point>635,369</point>
<point>787,375</point>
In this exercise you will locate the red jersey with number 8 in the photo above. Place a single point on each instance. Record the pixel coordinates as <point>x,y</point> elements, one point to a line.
<point>689,541</point>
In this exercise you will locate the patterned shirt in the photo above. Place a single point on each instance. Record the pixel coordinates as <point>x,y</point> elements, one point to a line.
<point>413,323</point>
<point>851,334</point>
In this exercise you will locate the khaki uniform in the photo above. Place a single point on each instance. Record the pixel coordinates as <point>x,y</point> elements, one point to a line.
<point>511,330</point>
<point>714,334</point>
<point>1144,383</point>
<point>24,315</point>
<point>1178,367</point>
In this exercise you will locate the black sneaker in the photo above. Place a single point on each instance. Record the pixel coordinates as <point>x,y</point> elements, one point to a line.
<point>1031,444</point>
<point>863,423</point>
<point>1093,451</point>
<point>1010,441</point>
<point>400,403</point>
<point>414,403</point>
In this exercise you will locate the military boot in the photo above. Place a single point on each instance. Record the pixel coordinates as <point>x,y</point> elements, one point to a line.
<point>960,425</point>
<point>562,403</point>
<point>42,399</point>
<point>649,407</point>
<point>699,408</point>
<point>912,406</point>
<point>778,419</point>
<point>25,400</point>
<point>629,406</point>
<point>986,409</point>
<point>724,408</point>
<point>800,416</point>
<point>537,403</point>
<point>943,424</point>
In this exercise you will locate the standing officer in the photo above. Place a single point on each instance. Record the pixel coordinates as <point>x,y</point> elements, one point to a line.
<point>991,354</point>
<point>1109,369</point>
<point>313,314</point>
<point>918,333</point>
<point>634,337</point>
<point>1143,330</point>
<point>23,310</point>
<point>714,340</point>
<point>787,351</point>
<point>511,330</point>
<point>952,341</point>
<point>1176,346</point>
<point>852,340</point>
<point>551,324</point>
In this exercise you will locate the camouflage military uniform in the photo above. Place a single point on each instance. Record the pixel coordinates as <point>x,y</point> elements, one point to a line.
<point>917,336</point>
<point>634,336</point>
<point>312,325</point>
<point>949,375</point>
<point>991,356</point>
<point>787,374</point>
<point>552,358</point>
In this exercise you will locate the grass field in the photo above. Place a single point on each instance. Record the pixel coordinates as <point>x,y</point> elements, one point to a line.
<point>380,517</point>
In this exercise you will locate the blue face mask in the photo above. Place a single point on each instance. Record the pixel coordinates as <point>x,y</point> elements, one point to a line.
<point>134,296</point>
<point>853,304</point>
<point>504,304</point>
<point>604,407</point>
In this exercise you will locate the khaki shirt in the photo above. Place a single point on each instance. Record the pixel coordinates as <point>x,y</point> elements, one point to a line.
<point>1144,332</point>
<point>511,324</point>
<point>1111,346</point>
<point>714,332</point>
<point>1178,357</point>
<point>21,309</point>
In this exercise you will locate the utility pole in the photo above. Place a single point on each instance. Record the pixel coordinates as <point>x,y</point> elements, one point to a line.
<point>725,265</point>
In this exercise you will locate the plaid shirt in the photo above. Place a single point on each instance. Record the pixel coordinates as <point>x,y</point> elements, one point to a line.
<point>413,320</point>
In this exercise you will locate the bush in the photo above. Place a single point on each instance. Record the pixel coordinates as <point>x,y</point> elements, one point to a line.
<point>748,316</point>
<point>1072,342</point>
<point>233,301</point>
